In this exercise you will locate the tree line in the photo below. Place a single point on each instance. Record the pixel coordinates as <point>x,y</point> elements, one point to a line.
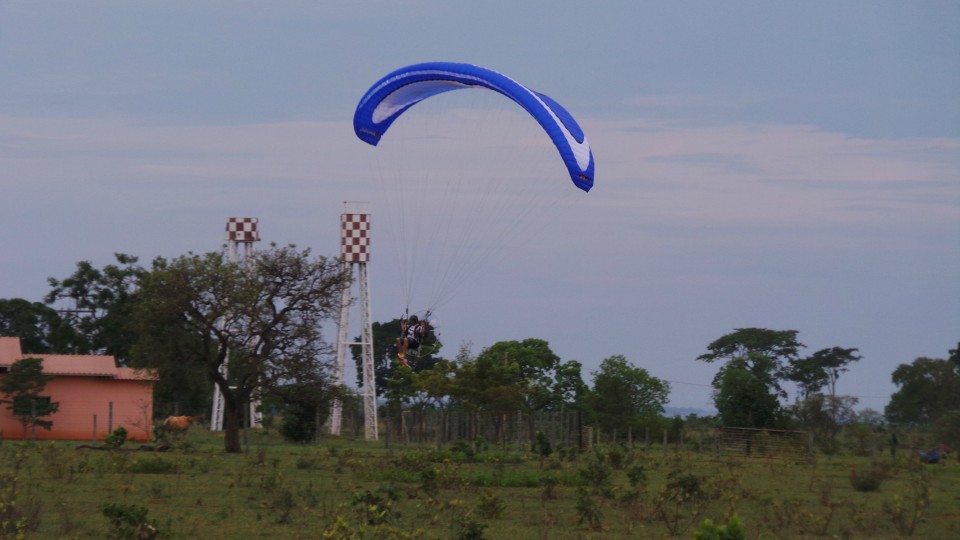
<point>253,328</point>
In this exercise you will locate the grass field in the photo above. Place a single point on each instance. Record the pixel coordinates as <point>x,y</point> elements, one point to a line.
<point>354,489</point>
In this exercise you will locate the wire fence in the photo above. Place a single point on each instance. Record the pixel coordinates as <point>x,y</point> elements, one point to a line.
<point>419,426</point>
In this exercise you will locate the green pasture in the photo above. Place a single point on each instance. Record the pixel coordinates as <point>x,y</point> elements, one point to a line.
<point>355,489</point>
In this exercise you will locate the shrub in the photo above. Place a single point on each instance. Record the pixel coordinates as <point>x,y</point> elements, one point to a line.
<point>465,448</point>
<point>549,483</point>
<point>637,475</point>
<point>733,530</point>
<point>597,475</point>
<point>588,511</point>
<point>541,446</point>
<point>129,521</point>
<point>616,458</point>
<point>116,438</point>
<point>868,479</point>
<point>684,486</point>
<point>299,423</point>
<point>429,483</point>
<point>468,528</point>
<point>375,507</point>
<point>490,506</point>
<point>152,465</point>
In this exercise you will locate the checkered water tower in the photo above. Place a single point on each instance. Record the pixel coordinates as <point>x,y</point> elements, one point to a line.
<point>241,234</point>
<point>355,254</point>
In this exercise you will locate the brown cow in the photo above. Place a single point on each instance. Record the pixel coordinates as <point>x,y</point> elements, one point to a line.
<point>179,423</point>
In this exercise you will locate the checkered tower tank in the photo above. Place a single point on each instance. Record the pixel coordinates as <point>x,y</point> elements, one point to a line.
<point>355,237</point>
<point>244,230</point>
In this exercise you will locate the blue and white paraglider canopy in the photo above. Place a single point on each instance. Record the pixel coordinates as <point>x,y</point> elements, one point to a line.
<point>392,95</point>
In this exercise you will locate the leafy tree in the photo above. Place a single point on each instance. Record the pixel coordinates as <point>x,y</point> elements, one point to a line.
<point>871,417</point>
<point>928,389</point>
<point>40,328</point>
<point>488,384</point>
<point>21,388</point>
<point>747,389</point>
<point>537,366</point>
<point>536,383</point>
<point>260,319</point>
<point>101,301</point>
<point>437,383</point>
<point>754,349</point>
<point>625,395</point>
<point>744,393</point>
<point>385,355</point>
<point>102,320</point>
<point>826,415</point>
<point>820,369</point>
<point>569,388</point>
<point>395,383</point>
<point>947,429</point>
<point>305,407</point>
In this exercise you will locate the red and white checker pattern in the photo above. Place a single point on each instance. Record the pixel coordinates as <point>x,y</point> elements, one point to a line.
<point>355,237</point>
<point>242,229</point>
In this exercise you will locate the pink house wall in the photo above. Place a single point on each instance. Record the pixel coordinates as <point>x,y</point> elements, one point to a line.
<point>81,399</point>
<point>86,398</point>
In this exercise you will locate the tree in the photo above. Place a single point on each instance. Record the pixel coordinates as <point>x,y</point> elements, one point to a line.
<point>749,344</point>
<point>569,388</point>
<point>40,328</point>
<point>747,389</point>
<point>258,321</point>
<point>536,382</point>
<point>625,395</point>
<point>488,384</point>
<point>929,388</point>
<point>21,388</point>
<point>826,415</point>
<point>947,429</point>
<point>820,369</point>
<point>744,393</point>
<point>305,409</point>
<point>385,354</point>
<point>101,303</point>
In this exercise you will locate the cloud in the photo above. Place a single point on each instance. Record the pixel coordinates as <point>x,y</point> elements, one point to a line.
<point>774,174</point>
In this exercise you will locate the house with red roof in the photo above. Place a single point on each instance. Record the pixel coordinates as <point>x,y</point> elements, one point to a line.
<point>96,396</point>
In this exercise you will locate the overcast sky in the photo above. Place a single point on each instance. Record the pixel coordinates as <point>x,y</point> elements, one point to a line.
<point>785,165</point>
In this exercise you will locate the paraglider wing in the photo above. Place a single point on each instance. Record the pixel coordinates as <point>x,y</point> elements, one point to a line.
<point>392,95</point>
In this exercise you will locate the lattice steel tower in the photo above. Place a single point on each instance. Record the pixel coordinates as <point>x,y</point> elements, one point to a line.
<point>355,254</point>
<point>241,234</point>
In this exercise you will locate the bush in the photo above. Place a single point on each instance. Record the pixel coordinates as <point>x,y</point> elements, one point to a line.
<point>541,446</point>
<point>733,530</point>
<point>588,511</point>
<point>467,528</point>
<point>117,438</point>
<point>684,486</point>
<point>867,480</point>
<point>947,429</point>
<point>152,465</point>
<point>299,423</point>
<point>597,475</point>
<point>490,506</point>
<point>129,521</point>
